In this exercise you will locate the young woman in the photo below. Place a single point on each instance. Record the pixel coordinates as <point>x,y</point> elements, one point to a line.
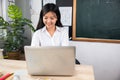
<point>50,31</point>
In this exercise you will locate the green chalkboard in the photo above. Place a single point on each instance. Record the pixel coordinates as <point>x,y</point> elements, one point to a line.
<point>96,20</point>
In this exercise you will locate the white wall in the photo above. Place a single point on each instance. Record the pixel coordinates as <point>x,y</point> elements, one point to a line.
<point>4,4</point>
<point>103,56</point>
<point>36,6</point>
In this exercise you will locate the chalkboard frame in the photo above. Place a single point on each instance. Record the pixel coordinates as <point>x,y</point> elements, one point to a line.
<point>74,38</point>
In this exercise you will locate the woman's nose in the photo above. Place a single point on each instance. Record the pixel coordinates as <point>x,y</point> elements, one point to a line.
<point>49,20</point>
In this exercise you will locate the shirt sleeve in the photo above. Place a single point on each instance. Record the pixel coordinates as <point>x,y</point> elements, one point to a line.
<point>65,38</point>
<point>35,40</point>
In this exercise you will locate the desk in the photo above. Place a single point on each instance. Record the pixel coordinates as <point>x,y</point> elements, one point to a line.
<point>82,72</point>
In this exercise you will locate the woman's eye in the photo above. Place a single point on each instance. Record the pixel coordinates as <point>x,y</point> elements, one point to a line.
<point>51,18</point>
<point>45,18</point>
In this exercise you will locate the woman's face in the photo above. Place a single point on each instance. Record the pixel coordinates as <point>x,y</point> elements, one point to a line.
<point>49,19</point>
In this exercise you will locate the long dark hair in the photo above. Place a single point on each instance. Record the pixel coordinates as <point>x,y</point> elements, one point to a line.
<point>45,9</point>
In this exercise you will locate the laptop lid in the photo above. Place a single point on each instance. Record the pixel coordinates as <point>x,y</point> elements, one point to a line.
<point>51,60</point>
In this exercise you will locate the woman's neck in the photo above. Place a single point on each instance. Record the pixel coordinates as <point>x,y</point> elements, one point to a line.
<point>51,31</point>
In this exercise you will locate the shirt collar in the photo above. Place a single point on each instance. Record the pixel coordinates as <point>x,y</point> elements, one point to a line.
<point>44,29</point>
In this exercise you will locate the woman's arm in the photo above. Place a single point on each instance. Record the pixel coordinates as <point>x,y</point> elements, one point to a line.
<point>65,37</point>
<point>35,40</point>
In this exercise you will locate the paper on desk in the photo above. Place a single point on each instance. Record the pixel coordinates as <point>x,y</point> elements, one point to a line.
<point>21,75</point>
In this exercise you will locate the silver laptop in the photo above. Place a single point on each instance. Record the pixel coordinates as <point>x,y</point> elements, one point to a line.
<point>52,60</point>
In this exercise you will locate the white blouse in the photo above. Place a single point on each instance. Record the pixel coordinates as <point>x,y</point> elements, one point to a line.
<point>42,38</point>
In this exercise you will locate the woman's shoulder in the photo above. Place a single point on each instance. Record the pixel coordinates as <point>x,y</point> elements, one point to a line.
<point>38,31</point>
<point>62,28</point>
